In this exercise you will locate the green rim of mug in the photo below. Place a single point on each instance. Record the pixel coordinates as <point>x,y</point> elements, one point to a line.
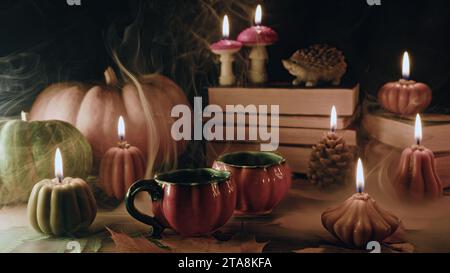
<point>192,177</point>
<point>251,160</point>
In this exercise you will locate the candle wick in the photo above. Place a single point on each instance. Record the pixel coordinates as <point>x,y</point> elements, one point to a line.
<point>121,138</point>
<point>59,178</point>
<point>418,142</point>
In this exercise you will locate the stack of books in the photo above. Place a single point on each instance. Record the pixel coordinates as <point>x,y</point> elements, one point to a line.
<point>304,115</point>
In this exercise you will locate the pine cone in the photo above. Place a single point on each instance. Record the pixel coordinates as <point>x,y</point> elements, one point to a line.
<point>331,162</point>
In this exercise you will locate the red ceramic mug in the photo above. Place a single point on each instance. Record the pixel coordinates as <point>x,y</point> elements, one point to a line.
<point>193,202</point>
<point>262,180</point>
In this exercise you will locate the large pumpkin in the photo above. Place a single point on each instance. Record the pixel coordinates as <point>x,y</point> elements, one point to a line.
<point>95,109</point>
<point>27,151</point>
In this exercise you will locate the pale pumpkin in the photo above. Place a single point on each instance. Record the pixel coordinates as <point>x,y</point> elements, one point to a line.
<point>27,150</point>
<point>61,208</point>
<point>120,167</point>
<point>95,109</point>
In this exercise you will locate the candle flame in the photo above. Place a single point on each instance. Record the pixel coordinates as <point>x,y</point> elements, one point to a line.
<point>405,66</point>
<point>24,116</point>
<point>258,15</point>
<point>418,130</point>
<point>121,128</point>
<point>359,177</point>
<point>58,165</point>
<point>225,27</point>
<point>333,119</point>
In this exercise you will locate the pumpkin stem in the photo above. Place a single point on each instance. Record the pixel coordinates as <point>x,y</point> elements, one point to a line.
<point>110,76</point>
<point>24,116</point>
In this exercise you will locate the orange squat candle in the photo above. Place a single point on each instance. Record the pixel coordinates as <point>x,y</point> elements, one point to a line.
<point>405,97</point>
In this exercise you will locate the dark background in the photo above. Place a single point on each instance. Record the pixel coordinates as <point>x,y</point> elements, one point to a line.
<point>45,41</point>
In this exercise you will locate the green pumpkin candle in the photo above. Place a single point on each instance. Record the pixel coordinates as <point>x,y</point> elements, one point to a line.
<point>61,206</point>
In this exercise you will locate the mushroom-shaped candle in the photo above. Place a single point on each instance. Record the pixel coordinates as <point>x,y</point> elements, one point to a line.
<point>121,166</point>
<point>226,48</point>
<point>405,96</point>
<point>258,37</point>
<point>416,177</point>
<point>61,206</point>
<point>359,219</point>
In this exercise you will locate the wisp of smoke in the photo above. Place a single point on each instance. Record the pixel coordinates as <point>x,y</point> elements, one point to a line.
<point>173,38</point>
<point>21,79</point>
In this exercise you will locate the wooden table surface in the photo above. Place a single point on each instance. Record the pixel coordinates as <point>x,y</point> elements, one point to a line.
<point>293,226</point>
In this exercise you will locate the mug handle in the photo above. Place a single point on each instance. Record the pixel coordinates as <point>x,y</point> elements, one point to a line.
<point>156,193</point>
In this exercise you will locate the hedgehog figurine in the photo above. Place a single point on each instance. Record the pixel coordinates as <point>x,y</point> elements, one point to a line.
<point>316,63</point>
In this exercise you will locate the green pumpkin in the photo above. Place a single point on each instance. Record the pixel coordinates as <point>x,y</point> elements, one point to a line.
<point>27,151</point>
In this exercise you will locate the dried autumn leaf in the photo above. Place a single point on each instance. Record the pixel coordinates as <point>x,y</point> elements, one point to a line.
<point>327,249</point>
<point>212,245</point>
<point>126,244</point>
<point>311,250</point>
<point>404,247</point>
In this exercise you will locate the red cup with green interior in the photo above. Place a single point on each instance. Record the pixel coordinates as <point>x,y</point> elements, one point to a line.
<point>262,180</point>
<point>193,202</point>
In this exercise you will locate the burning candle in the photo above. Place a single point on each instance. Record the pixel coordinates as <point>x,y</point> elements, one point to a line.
<point>416,177</point>
<point>405,97</point>
<point>330,160</point>
<point>58,166</point>
<point>258,37</point>
<point>359,219</point>
<point>121,129</point>
<point>333,120</point>
<point>121,166</point>
<point>62,205</point>
<point>226,48</point>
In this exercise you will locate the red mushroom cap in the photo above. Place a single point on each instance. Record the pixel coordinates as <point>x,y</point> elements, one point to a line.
<point>258,35</point>
<point>226,46</point>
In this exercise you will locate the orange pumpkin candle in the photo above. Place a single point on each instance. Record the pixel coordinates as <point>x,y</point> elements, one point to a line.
<point>405,97</point>
<point>121,166</point>
<point>416,178</point>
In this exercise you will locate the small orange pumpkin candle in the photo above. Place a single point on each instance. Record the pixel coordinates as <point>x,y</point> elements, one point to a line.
<point>405,96</point>
<point>416,177</point>
<point>121,166</point>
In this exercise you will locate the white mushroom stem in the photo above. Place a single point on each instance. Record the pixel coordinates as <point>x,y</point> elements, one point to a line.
<point>258,59</point>
<point>226,69</point>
